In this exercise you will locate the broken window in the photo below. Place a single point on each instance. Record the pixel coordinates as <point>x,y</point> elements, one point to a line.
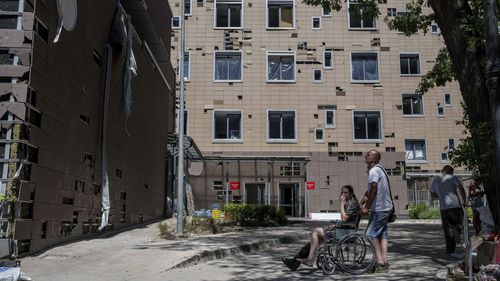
<point>316,22</point>
<point>409,63</point>
<point>187,63</point>
<point>328,59</point>
<point>176,22</point>
<point>280,14</point>
<point>364,67</point>
<point>415,150</point>
<point>326,12</point>
<point>412,104</point>
<point>329,119</point>
<point>6,58</point>
<point>281,125</point>
<point>227,125</point>
<point>367,126</point>
<point>228,13</point>
<point>187,7</point>
<point>317,75</point>
<point>8,22</point>
<point>319,135</point>
<point>280,66</point>
<point>358,19</point>
<point>228,66</point>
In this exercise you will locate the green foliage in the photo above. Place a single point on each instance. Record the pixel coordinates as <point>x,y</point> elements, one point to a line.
<point>439,75</point>
<point>200,225</point>
<point>369,7</point>
<point>412,20</point>
<point>255,215</point>
<point>423,211</point>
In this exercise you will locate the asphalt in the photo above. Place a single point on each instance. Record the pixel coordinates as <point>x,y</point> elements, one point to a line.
<point>127,255</point>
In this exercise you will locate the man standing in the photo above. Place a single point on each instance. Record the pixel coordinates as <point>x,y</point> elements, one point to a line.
<point>378,201</point>
<point>446,188</point>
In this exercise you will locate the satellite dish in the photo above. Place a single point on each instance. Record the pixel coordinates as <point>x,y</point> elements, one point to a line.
<point>196,168</point>
<point>68,14</point>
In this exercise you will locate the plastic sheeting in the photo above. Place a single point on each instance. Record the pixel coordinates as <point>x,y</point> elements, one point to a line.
<point>281,68</point>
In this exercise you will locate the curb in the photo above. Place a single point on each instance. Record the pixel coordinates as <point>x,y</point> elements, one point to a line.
<point>244,248</point>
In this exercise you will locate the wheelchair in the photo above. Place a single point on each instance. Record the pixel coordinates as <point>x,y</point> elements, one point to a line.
<point>347,249</point>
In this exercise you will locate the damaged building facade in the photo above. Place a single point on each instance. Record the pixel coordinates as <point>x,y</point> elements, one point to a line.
<point>285,99</point>
<point>87,99</point>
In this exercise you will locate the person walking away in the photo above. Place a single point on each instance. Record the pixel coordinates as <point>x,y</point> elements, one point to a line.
<point>378,202</point>
<point>349,212</point>
<point>476,201</point>
<point>451,195</point>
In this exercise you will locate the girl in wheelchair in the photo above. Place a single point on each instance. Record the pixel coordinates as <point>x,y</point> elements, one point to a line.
<point>349,213</point>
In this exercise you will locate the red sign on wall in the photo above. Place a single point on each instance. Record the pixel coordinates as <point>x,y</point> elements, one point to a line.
<point>234,185</point>
<point>311,185</point>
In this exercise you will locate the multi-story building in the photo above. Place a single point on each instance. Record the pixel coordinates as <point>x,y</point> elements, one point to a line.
<point>57,66</point>
<point>285,99</point>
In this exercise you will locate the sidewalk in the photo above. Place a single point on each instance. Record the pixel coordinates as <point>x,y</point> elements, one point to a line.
<point>130,254</point>
<point>138,252</point>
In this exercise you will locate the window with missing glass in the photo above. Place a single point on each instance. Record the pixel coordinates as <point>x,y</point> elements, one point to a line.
<point>319,135</point>
<point>227,125</point>
<point>187,65</point>
<point>187,7</point>
<point>328,59</point>
<point>228,13</point>
<point>360,17</point>
<point>412,105</point>
<point>317,75</point>
<point>409,63</point>
<point>367,126</point>
<point>6,58</point>
<point>280,66</point>
<point>415,150</point>
<point>228,66</point>
<point>316,22</point>
<point>364,67</point>
<point>281,125</point>
<point>280,14</point>
<point>330,119</point>
<point>447,99</point>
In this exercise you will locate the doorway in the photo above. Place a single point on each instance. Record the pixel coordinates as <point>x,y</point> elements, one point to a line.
<point>289,198</point>
<point>255,193</point>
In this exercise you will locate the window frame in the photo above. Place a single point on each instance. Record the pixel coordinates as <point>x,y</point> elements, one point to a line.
<point>186,122</point>
<point>323,14</point>
<point>314,75</point>
<point>293,15</point>
<point>381,123</point>
<point>320,23</point>
<point>408,56</point>
<point>281,53</point>
<point>322,140</point>
<point>227,140</point>
<point>331,59</point>
<point>447,160</point>
<point>334,117</point>
<point>375,24</point>
<point>444,99</point>
<point>403,95</point>
<point>241,14</point>
<point>229,80</point>
<point>378,67</point>
<point>421,161</point>
<point>392,12</point>
<point>437,112</point>
<point>172,23</point>
<point>189,66</point>
<point>190,8</point>
<point>281,140</point>
<point>438,30</point>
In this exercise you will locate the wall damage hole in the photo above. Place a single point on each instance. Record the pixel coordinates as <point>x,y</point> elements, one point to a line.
<point>68,201</point>
<point>118,173</point>
<point>43,232</point>
<point>85,119</point>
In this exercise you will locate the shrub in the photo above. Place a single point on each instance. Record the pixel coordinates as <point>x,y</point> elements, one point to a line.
<point>167,231</point>
<point>255,215</point>
<point>423,211</point>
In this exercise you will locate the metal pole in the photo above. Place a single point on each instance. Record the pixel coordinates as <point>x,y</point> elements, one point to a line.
<point>180,163</point>
<point>227,182</point>
<point>306,195</point>
<point>492,76</point>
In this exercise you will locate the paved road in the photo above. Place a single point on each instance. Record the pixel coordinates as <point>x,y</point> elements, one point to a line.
<point>416,253</point>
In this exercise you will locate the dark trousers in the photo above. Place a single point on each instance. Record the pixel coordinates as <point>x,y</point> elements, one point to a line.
<point>452,220</point>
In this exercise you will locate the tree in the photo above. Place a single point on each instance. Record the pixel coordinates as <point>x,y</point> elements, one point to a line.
<point>464,59</point>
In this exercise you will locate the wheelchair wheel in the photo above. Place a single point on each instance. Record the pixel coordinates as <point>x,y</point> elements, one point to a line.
<point>320,260</point>
<point>328,265</point>
<point>355,253</point>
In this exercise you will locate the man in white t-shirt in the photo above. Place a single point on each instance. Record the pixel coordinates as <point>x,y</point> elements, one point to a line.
<point>378,202</point>
<point>447,187</point>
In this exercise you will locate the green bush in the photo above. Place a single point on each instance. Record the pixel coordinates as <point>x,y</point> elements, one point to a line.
<point>423,211</point>
<point>255,215</point>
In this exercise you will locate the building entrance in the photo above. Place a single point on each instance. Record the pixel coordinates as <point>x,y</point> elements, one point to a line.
<point>289,198</point>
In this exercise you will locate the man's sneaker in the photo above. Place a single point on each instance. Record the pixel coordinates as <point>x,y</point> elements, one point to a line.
<point>380,268</point>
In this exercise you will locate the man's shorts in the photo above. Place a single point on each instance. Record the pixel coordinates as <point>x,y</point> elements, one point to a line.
<point>377,224</point>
